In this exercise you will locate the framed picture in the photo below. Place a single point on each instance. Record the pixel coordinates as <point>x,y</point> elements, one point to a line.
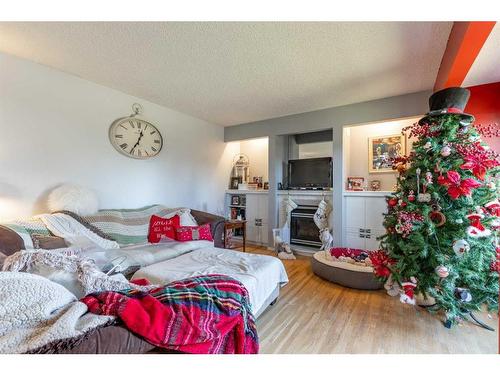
<point>235,200</point>
<point>235,181</point>
<point>382,149</point>
<point>355,183</point>
<point>375,185</point>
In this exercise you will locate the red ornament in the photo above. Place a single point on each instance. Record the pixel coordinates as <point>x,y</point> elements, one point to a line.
<point>403,204</point>
<point>392,202</point>
<point>411,196</point>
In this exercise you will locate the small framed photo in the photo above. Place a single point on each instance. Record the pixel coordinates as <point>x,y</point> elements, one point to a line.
<point>235,200</point>
<point>375,185</point>
<point>355,183</point>
<point>235,181</point>
<point>381,151</point>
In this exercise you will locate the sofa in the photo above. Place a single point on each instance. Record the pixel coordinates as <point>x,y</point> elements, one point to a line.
<point>161,263</point>
<point>116,338</point>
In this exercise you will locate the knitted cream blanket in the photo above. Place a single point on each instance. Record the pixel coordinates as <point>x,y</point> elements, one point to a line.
<point>73,232</point>
<point>35,312</point>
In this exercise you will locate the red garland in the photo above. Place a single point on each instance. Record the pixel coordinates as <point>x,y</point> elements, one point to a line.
<point>381,262</point>
<point>420,130</point>
<point>405,222</point>
<point>488,130</point>
<point>456,186</point>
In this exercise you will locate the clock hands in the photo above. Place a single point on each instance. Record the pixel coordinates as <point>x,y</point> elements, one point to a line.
<point>137,143</point>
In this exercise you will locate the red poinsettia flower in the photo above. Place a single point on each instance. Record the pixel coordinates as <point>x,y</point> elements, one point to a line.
<point>456,186</point>
<point>381,263</point>
<point>478,165</point>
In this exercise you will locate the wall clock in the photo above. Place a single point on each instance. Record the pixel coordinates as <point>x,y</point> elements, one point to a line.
<point>134,137</point>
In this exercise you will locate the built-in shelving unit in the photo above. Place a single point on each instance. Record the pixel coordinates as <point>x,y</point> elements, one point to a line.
<point>252,207</point>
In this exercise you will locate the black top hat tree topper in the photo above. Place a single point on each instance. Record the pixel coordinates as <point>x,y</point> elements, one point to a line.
<point>449,101</point>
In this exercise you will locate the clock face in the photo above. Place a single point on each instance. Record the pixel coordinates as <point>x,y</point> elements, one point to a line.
<point>135,138</point>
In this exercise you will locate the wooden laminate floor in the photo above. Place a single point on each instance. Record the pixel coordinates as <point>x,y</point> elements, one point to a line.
<point>315,316</point>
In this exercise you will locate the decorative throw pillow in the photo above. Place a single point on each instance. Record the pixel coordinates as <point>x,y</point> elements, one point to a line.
<point>193,233</point>
<point>161,227</point>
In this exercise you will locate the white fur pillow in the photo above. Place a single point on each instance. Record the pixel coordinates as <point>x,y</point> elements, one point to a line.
<point>74,198</point>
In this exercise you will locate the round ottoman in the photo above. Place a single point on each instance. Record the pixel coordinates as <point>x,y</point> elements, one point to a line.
<point>346,274</point>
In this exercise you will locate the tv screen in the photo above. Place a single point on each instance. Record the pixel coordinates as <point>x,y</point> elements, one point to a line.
<point>310,173</point>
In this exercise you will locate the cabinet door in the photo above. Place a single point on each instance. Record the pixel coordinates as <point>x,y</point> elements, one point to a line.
<point>264,235</point>
<point>355,214</point>
<point>252,204</point>
<point>355,241</point>
<point>375,208</point>
<point>252,232</point>
<point>262,211</point>
<point>371,242</point>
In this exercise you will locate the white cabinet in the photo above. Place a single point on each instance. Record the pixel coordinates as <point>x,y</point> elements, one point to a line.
<point>252,207</point>
<point>257,223</point>
<point>364,221</point>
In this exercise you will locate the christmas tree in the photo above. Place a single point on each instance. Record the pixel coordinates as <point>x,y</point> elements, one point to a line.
<point>442,221</point>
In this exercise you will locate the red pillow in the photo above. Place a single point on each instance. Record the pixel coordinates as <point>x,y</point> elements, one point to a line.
<point>160,227</point>
<point>193,233</point>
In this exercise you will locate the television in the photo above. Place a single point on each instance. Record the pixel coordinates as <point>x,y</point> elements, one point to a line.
<point>315,173</point>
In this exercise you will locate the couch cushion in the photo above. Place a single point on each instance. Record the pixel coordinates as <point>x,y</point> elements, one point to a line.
<point>10,241</point>
<point>131,226</point>
<point>25,228</point>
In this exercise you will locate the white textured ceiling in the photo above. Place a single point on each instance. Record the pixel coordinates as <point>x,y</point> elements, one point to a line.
<point>486,67</point>
<point>231,73</point>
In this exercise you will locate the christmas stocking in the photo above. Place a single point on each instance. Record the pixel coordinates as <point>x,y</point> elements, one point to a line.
<point>321,215</point>
<point>287,206</point>
<point>408,294</point>
<point>476,228</point>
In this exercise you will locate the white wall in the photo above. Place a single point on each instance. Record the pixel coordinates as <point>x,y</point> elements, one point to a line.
<point>54,129</point>
<point>315,150</point>
<point>356,150</point>
<point>257,151</point>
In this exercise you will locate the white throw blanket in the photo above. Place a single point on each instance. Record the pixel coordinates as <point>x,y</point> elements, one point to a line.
<point>73,232</point>
<point>82,275</point>
<point>35,312</point>
<point>260,274</point>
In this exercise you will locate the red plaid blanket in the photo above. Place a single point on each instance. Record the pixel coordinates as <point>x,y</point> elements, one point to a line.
<point>205,314</point>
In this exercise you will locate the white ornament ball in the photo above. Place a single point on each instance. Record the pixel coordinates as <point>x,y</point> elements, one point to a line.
<point>459,221</point>
<point>460,247</point>
<point>442,271</point>
<point>78,199</point>
<point>428,145</point>
<point>446,151</point>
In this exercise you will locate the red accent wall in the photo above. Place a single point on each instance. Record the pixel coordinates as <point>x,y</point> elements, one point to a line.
<point>484,104</point>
